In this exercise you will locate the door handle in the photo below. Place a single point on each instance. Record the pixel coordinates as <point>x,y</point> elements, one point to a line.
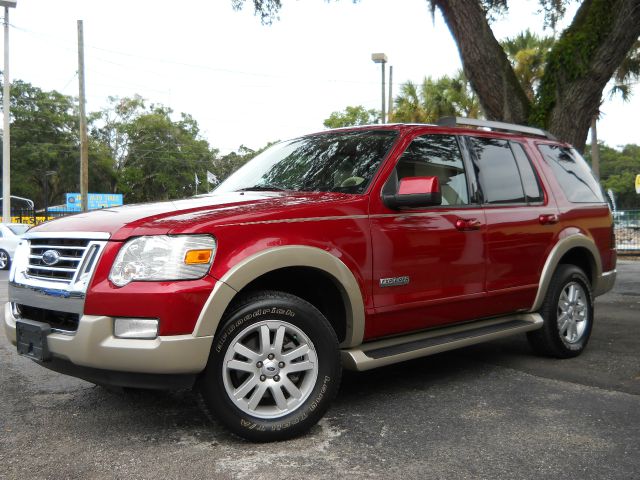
<point>549,219</point>
<point>468,224</point>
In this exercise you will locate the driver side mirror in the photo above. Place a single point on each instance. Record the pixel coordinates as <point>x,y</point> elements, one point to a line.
<point>415,192</point>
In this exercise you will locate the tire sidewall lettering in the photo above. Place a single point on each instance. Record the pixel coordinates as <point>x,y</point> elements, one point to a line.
<point>256,314</point>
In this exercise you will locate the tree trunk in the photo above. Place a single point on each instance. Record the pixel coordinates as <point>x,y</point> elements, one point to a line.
<point>579,66</point>
<point>582,62</point>
<point>484,61</point>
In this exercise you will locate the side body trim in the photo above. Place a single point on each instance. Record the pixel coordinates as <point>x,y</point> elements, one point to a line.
<point>558,251</point>
<point>241,274</point>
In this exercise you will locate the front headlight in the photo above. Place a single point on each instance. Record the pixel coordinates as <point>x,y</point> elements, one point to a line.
<point>163,257</point>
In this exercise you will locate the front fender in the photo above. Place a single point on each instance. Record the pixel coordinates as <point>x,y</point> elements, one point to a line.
<point>247,270</point>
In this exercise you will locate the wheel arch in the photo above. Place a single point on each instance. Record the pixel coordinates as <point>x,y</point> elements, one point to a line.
<point>268,264</point>
<point>577,250</point>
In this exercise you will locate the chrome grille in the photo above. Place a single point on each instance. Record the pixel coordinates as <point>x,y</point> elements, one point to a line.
<point>74,255</point>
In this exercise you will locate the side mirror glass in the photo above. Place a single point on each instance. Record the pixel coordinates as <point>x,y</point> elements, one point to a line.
<point>415,192</point>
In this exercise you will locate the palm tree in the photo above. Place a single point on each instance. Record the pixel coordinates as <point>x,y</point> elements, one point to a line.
<point>432,99</point>
<point>527,52</point>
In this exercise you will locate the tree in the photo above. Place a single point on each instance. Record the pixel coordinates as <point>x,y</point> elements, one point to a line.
<point>44,139</point>
<point>445,96</point>
<point>576,71</point>
<point>229,163</point>
<point>352,116</point>
<point>154,156</point>
<point>618,173</point>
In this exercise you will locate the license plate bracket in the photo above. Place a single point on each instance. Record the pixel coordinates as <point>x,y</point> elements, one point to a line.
<point>31,339</point>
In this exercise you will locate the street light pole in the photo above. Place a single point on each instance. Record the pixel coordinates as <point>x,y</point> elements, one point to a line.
<point>381,58</point>
<point>6,103</point>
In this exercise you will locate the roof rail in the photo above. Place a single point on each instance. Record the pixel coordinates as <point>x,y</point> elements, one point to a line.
<point>507,127</point>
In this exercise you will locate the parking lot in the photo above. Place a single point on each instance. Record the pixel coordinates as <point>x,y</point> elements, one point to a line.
<point>491,411</point>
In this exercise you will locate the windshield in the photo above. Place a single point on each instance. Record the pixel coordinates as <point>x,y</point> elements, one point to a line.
<point>331,162</point>
<point>17,228</point>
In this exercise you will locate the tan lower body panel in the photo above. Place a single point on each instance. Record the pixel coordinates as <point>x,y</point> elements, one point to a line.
<point>93,345</point>
<point>398,349</point>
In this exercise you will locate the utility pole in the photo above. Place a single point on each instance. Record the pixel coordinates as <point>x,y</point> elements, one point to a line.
<point>6,105</point>
<point>390,92</point>
<point>84,142</point>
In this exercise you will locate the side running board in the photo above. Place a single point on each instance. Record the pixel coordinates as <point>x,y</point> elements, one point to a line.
<point>398,349</point>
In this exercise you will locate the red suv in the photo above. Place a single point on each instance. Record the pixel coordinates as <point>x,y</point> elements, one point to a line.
<point>351,248</point>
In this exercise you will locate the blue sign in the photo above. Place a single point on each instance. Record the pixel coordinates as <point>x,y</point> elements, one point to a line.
<point>95,201</point>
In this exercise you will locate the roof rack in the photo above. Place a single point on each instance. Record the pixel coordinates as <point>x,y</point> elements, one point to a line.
<point>507,127</point>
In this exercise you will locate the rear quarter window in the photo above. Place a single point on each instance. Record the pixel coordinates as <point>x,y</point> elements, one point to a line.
<point>573,174</point>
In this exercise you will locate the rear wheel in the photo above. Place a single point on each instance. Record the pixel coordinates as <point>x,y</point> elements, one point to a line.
<point>274,368</point>
<point>568,315</point>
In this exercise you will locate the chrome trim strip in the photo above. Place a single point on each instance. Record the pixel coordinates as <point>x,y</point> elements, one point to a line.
<point>57,299</point>
<point>301,220</point>
<point>66,259</point>
<point>57,247</point>
<point>52,269</point>
<point>72,235</point>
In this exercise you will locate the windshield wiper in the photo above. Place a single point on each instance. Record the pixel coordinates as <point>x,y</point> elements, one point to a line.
<point>261,188</point>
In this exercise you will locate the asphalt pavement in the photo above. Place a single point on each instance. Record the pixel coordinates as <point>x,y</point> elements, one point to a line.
<point>493,411</point>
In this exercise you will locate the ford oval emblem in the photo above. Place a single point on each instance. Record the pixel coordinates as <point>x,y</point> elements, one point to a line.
<point>50,257</point>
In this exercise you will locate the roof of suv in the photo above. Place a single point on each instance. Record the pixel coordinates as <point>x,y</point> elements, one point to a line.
<point>472,126</point>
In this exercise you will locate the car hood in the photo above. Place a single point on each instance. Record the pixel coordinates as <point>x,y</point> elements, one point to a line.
<point>190,215</point>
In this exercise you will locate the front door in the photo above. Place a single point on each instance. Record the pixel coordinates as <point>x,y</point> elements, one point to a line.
<point>428,263</point>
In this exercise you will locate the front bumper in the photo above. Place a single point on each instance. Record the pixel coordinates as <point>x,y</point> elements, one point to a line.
<point>94,346</point>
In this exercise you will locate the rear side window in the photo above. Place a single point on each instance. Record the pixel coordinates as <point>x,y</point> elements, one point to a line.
<point>530,182</point>
<point>573,174</point>
<point>497,171</point>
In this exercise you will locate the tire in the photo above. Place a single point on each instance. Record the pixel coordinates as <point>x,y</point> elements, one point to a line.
<point>568,315</point>
<point>270,393</point>
<point>5,261</point>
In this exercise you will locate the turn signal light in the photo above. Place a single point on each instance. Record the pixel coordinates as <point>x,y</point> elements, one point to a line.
<point>196,257</point>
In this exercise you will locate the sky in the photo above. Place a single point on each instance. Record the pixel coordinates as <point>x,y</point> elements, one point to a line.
<point>246,83</point>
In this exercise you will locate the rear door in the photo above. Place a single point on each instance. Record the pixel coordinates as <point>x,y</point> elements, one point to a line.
<point>521,221</point>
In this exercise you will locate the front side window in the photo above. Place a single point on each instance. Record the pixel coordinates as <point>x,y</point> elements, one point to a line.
<point>497,171</point>
<point>572,173</point>
<point>437,156</point>
<point>329,162</point>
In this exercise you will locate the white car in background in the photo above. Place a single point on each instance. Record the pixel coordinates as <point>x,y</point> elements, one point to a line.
<point>9,238</point>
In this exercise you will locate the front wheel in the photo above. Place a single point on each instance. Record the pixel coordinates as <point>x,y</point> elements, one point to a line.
<point>274,368</point>
<point>4,260</point>
<point>568,315</point>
